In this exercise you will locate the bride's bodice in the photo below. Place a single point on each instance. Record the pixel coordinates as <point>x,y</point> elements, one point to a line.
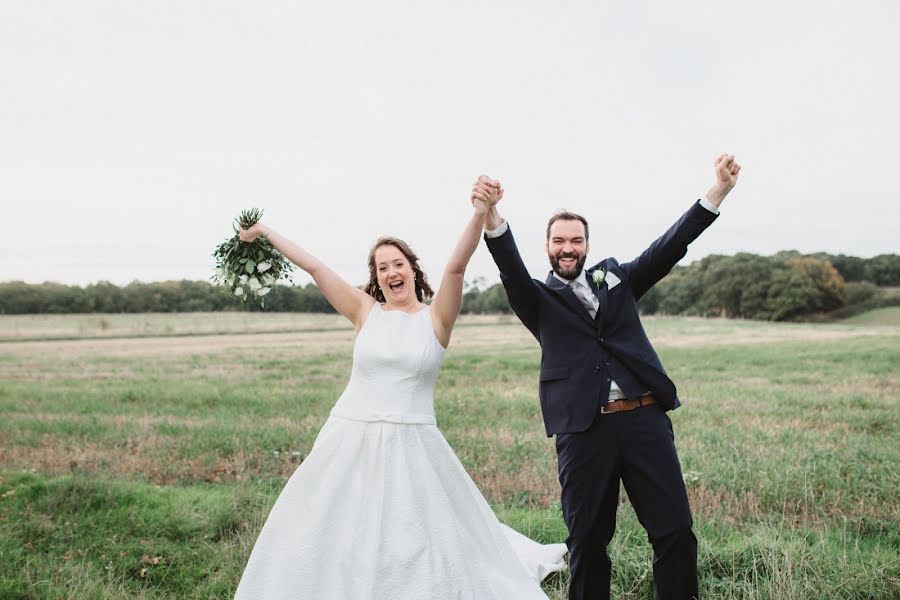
<point>396,359</point>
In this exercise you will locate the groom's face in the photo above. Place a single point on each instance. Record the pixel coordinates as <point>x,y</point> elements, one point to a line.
<point>567,248</point>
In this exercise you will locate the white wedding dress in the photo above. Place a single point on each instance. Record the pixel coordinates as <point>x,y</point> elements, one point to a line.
<point>382,508</point>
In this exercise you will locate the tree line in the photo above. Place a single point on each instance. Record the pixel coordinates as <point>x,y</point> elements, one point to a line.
<point>788,285</point>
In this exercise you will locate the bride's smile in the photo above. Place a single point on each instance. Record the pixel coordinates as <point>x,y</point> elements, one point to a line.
<point>395,278</point>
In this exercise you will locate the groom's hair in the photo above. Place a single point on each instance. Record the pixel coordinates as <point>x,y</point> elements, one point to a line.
<point>565,215</point>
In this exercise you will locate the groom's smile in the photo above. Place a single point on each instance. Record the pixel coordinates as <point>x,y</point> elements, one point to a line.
<point>567,247</point>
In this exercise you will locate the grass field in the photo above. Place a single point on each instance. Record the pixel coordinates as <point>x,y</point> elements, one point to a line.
<point>139,454</point>
<point>879,316</point>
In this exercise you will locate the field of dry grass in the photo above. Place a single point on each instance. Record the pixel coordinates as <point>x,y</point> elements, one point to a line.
<point>788,440</point>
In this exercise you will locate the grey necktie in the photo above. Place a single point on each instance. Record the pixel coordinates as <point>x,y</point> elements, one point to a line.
<point>587,298</point>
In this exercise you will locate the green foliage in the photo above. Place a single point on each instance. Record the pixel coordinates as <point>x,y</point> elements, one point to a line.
<point>879,301</point>
<point>788,285</point>
<point>851,268</point>
<point>858,292</point>
<point>490,300</point>
<point>790,295</point>
<point>785,286</point>
<point>882,270</point>
<point>17,297</point>
<point>680,291</point>
<point>250,268</point>
<point>748,286</point>
<point>824,276</point>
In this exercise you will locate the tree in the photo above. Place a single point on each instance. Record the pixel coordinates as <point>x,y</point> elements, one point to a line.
<point>790,294</point>
<point>824,277</point>
<point>735,286</point>
<point>851,268</point>
<point>883,269</point>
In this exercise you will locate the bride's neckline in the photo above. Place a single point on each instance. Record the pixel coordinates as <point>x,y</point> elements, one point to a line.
<point>397,310</point>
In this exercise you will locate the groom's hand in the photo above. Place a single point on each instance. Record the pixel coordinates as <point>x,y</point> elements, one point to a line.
<point>486,192</point>
<point>726,178</point>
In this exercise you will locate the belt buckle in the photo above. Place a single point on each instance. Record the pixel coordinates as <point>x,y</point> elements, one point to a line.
<point>604,411</point>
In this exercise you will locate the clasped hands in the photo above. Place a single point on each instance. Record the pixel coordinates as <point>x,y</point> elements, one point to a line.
<point>486,193</point>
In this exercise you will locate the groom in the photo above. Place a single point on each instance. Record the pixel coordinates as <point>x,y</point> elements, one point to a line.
<point>604,392</point>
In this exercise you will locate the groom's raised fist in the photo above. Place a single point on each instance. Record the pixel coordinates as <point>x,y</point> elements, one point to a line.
<point>727,171</point>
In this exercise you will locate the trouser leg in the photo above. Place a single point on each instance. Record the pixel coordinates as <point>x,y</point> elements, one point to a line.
<point>652,477</point>
<point>589,477</point>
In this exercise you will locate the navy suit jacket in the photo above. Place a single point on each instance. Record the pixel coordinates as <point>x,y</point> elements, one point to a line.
<point>579,355</point>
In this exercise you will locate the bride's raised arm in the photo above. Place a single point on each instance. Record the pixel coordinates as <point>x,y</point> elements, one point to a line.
<point>351,302</point>
<point>446,304</point>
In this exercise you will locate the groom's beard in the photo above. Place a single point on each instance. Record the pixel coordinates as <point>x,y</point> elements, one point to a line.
<point>567,273</point>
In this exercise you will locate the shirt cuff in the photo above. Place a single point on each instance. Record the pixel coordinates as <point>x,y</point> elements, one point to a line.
<point>492,233</point>
<point>709,206</point>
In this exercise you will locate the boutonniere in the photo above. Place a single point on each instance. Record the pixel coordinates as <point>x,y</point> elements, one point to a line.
<point>599,276</point>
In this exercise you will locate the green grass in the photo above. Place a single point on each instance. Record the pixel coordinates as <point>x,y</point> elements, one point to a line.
<point>879,316</point>
<point>138,325</point>
<point>143,467</point>
<point>81,326</point>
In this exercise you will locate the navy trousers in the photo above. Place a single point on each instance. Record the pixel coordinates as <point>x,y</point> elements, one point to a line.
<point>636,447</point>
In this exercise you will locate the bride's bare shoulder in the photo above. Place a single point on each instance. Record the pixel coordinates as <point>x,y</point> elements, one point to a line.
<point>368,306</point>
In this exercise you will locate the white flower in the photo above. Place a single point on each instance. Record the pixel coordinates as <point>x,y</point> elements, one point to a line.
<point>263,291</point>
<point>268,279</point>
<point>220,273</point>
<point>243,279</point>
<point>264,266</point>
<point>254,283</point>
<point>599,275</point>
<point>238,291</point>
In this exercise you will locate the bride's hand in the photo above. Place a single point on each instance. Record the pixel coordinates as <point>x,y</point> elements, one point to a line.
<point>486,193</point>
<point>248,235</point>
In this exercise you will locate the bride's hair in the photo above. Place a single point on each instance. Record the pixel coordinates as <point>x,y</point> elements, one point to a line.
<point>423,290</point>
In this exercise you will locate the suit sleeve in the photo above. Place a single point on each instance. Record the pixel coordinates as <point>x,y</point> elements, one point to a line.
<point>657,260</point>
<point>521,289</point>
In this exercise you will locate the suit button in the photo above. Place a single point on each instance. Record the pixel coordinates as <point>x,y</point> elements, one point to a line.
<point>596,368</point>
<point>599,339</point>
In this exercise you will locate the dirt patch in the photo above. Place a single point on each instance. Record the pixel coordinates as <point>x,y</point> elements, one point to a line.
<point>148,422</point>
<point>150,456</point>
<point>537,485</point>
<point>759,336</point>
<point>494,334</point>
<point>300,343</point>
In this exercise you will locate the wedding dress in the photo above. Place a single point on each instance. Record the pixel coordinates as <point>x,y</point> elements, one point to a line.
<point>381,508</point>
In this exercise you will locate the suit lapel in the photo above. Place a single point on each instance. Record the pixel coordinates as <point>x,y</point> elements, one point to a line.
<point>601,294</point>
<point>569,297</point>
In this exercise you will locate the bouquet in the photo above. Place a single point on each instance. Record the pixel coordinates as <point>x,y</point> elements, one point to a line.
<point>250,267</point>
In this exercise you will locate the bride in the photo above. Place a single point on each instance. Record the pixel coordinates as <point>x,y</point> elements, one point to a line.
<point>381,508</point>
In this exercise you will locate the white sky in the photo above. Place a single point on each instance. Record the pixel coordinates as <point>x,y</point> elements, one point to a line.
<point>131,133</point>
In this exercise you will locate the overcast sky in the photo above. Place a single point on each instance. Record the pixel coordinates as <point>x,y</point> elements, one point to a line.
<point>131,133</point>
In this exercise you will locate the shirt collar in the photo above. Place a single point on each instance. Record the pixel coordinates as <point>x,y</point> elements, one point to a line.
<point>582,278</point>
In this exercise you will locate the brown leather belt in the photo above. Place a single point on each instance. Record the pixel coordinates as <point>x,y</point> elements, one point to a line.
<point>625,404</point>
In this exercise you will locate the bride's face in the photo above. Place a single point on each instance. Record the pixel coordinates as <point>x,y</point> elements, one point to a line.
<point>395,275</point>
